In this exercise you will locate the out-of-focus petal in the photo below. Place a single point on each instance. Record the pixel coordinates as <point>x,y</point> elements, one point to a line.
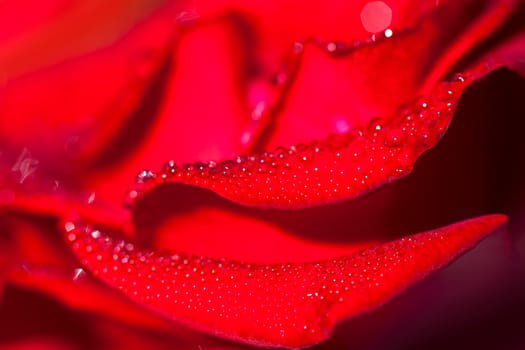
<point>74,109</point>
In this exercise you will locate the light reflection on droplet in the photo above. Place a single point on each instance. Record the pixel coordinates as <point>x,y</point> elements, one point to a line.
<point>69,226</point>
<point>144,176</point>
<point>376,16</point>
<point>79,274</point>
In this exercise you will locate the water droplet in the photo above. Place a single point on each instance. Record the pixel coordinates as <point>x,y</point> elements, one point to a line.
<point>188,170</point>
<point>374,125</point>
<point>79,274</point>
<point>69,226</point>
<point>145,176</point>
<point>280,153</point>
<point>201,168</point>
<point>458,78</point>
<point>227,167</point>
<point>423,102</point>
<point>170,167</point>
<point>425,138</point>
<point>394,138</point>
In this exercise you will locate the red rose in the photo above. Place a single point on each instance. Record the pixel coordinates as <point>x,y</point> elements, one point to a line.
<point>269,119</point>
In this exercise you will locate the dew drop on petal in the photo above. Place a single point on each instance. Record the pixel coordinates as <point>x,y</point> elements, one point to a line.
<point>69,226</point>
<point>79,274</point>
<point>144,176</point>
<point>394,138</point>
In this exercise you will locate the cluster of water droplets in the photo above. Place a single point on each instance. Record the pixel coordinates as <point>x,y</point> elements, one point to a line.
<point>289,300</point>
<point>340,48</point>
<point>291,304</point>
<point>342,166</point>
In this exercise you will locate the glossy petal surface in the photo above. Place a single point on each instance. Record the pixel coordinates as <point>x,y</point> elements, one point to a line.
<point>290,305</point>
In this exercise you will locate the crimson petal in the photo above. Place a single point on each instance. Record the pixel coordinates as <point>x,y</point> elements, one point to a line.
<point>294,304</point>
<point>71,113</point>
<point>337,168</point>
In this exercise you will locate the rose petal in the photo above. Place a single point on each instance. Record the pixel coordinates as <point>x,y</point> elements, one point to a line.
<point>373,80</point>
<point>75,110</point>
<point>35,35</point>
<point>38,260</point>
<point>222,296</point>
<point>201,116</point>
<point>339,167</point>
<point>32,320</point>
<point>206,224</point>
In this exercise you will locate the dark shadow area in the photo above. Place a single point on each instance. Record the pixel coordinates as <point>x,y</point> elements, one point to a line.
<point>448,310</point>
<point>511,27</point>
<point>54,321</point>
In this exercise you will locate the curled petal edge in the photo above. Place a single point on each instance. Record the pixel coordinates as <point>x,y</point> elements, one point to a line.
<point>340,167</point>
